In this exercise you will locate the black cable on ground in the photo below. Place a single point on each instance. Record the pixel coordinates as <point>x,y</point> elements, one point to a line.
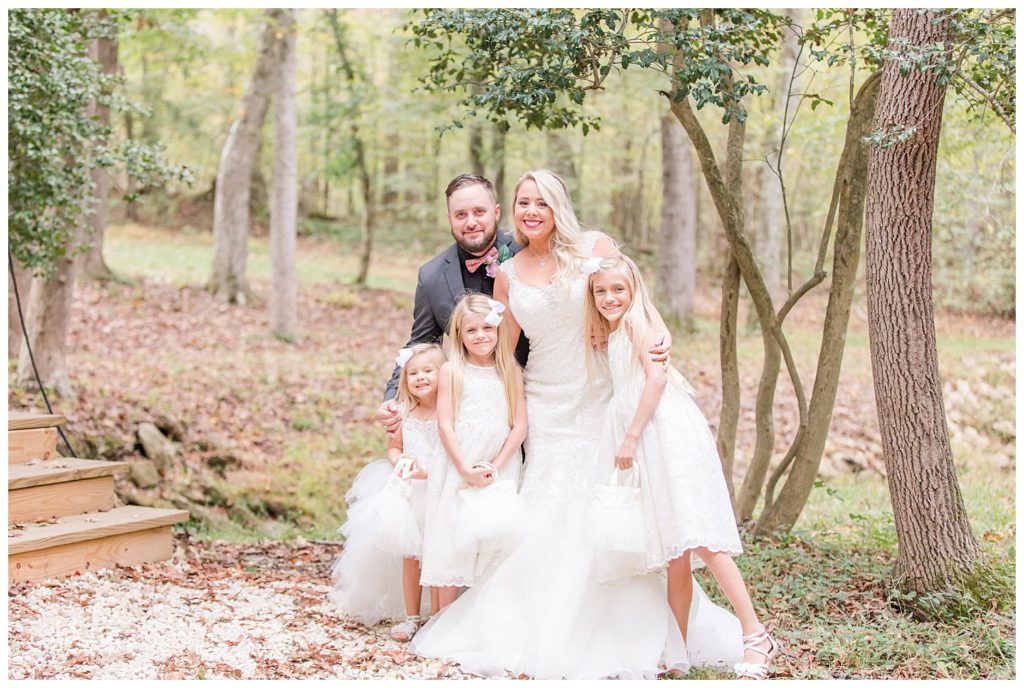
<point>28,345</point>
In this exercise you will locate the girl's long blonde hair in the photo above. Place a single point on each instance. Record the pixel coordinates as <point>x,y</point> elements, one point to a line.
<point>565,240</point>
<point>407,401</point>
<point>636,321</point>
<point>504,354</point>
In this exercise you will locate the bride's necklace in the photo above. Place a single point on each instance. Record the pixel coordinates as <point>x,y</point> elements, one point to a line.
<point>539,259</point>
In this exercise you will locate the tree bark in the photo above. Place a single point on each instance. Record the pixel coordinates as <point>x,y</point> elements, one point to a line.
<point>15,335</point>
<point>104,52</point>
<point>49,306</point>
<point>234,173</point>
<point>367,217</point>
<point>284,209</point>
<point>562,161</point>
<point>678,234</point>
<point>936,543</point>
<point>729,414</point>
<point>772,217</point>
<point>851,186</point>
<point>500,132</point>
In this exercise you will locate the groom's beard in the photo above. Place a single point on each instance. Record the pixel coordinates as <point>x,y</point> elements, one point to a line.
<point>480,246</point>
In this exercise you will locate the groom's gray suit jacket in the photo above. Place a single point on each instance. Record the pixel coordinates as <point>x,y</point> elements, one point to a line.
<point>438,288</point>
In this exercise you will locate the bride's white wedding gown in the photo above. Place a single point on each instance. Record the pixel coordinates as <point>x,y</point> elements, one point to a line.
<point>541,611</point>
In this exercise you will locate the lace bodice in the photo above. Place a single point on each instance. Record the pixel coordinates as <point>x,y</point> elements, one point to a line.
<point>483,402</point>
<point>564,415</point>
<point>420,439</point>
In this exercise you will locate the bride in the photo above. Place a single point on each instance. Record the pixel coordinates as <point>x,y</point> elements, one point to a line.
<point>542,611</point>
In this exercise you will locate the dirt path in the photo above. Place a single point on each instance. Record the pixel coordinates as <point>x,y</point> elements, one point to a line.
<point>214,611</point>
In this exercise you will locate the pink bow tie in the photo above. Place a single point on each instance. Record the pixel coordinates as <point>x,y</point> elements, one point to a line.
<point>473,264</point>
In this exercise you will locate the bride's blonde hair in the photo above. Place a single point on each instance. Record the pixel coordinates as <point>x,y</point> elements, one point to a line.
<point>568,233</point>
<point>504,354</point>
<point>637,321</point>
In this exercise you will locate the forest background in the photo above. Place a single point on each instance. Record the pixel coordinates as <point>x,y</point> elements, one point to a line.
<point>266,432</point>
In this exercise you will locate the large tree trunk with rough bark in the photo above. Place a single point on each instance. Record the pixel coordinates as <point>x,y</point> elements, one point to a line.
<point>284,206</point>
<point>936,543</point>
<point>235,171</point>
<point>848,196</point>
<point>678,234</point>
<point>15,335</point>
<point>103,51</point>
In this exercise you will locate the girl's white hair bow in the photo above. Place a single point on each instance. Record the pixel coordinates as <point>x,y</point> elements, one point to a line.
<point>591,265</point>
<point>403,357</point>
<point>494,317</point>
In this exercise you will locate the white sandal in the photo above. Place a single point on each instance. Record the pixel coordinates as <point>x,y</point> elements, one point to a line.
<point>403,632</point>
<point>757,672</point>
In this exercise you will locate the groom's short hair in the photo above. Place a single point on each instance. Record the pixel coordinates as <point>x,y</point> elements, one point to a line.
<point>464,180</point>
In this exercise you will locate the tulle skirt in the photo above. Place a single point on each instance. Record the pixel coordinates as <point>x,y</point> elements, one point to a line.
<point>382,529</point>
<point>542,612</point>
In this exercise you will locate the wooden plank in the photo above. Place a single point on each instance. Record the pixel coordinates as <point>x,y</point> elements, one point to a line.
<point>60,499</point>
<point>22,420</point>
<point>81,527</point>
<point>59,470</point>
<point>126,549</point>
<point>25,445</point>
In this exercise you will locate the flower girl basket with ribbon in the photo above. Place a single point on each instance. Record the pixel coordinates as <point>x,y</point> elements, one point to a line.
<point>489,517</point>
<point>393,517</point>
<point>615,518</point>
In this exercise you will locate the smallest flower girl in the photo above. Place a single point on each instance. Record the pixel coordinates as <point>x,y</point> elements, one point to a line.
<point>378,573</point>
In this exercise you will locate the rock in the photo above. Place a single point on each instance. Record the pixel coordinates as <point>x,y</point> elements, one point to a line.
<point>172,427</point>
<point>214,441</point>
<point>156,446</point>
<point>221,462</point>
<point>144,474</point>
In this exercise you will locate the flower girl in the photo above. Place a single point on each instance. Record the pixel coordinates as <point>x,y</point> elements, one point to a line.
<point>386,509</point>
<point>481,418</point>
<point>654,422</point>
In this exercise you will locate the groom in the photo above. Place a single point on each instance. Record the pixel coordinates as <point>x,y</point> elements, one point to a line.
<point>467,265</point>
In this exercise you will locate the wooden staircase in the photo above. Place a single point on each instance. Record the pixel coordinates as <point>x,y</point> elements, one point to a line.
<point>61,514</point>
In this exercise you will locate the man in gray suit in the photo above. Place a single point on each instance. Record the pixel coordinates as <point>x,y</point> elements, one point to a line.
<point>467,265</point>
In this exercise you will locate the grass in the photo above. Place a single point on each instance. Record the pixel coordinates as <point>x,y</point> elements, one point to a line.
<point>140,251</point>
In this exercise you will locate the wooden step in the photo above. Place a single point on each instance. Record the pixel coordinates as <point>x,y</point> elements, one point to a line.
<point>86,542</point>
<point>60,487</point>
<point>23,420</point>
<point>25,445</point>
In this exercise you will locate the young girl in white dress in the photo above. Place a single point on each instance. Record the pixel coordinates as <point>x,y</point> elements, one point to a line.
<point>378,573</point>
<point>482,422</point>
<point>653,421</point>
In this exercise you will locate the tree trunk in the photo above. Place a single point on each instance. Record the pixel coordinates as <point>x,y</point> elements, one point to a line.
<point>235,171</point>
<point>15,335</point>
<point>772,217</point>
<point>563,162</point>
<point>131,207</point>
<point>500,132</point>
<point>283,210</point>
<point>678,234</point>
<point>49,306</point>
<point>729,414</point>
<point>104,52</point>
<point>851,186</point>
<point>936,543</point>
<point>365,186</point>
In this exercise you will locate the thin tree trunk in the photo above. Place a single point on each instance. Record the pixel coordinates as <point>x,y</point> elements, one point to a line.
<point>678,234</point>
<point>562,161</point>
<point>283,210</point>
<point>15,335</point>
<point>131,207</point>
<point>936,543</point>
<point>235,171</point>
<point>104,52</point>
<point>500,132</point>
<point>729,414</point>
<point>365,187</point>
<point>851,187</point>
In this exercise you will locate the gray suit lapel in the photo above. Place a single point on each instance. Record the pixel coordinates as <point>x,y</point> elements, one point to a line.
<point>452,272</point>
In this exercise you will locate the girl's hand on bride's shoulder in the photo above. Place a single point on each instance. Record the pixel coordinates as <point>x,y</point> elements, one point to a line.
<point>662,351</point>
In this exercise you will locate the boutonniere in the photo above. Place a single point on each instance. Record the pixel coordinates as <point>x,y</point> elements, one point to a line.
<point>493,263</point>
